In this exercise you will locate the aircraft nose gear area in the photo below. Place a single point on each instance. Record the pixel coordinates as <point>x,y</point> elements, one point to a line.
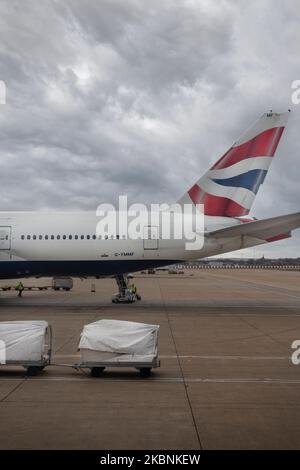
<point>127,292</point>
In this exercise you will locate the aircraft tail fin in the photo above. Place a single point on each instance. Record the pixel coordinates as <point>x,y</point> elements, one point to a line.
<point>229,188</point>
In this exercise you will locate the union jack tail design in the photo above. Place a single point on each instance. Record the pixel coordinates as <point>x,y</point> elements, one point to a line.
<point>229,188</point>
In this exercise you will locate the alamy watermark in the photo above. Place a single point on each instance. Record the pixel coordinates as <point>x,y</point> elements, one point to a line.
<point>295,358</point>
<point>2,92</point>
<point>295,97</point>
<point>159,221</point>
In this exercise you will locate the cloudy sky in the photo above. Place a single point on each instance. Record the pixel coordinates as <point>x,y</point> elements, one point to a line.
<point>140,97</point>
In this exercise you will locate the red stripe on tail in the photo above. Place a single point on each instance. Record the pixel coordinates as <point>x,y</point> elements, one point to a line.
<point>283,236</point>
<point>263,145</point>
<point>215,205</point>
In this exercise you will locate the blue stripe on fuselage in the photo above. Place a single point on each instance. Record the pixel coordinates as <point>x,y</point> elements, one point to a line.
<point>16,269</point>
<point>250,180</point>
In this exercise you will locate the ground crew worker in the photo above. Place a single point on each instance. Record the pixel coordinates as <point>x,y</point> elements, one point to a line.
<point>20,289</point>
<point>133,289</point>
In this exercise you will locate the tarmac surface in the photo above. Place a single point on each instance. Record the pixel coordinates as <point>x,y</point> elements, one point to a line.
<point>226,379</point>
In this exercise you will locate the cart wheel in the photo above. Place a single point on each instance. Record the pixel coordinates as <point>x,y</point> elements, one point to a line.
<point>145,371</point>
<point>32,370</point>
<point>97,371</point>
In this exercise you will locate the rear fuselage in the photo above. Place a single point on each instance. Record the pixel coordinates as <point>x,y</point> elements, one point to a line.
<point>65,243</point>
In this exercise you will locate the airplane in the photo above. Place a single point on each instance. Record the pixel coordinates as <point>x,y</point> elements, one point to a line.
<point>65,243</point>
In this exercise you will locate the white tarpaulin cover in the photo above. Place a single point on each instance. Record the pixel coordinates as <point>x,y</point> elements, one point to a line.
<point>119,339</point>
<point>24,340</point>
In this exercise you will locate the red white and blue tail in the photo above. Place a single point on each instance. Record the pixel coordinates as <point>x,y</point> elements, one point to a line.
<point>229,188</point>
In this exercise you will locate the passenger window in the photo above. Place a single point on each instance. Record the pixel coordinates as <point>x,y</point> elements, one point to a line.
<point>40,237</point>
<point>64,237</point>
<point>52,237</point>
<point>70,237</point>
<point>46,237</point>
<point>58,237</point>
<point>33,237</point>
<point>82,237</point>
<point>88,237</point>
<point>28,237</point>
<point>76,237</point>
<point>106,237</point>
<point>22,237</point>
<point>94,237</point>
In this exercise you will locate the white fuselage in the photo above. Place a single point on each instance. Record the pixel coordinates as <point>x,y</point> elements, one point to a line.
<point>65,243</point>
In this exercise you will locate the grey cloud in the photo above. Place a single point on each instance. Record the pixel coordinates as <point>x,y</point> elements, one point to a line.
<point>139,98</point>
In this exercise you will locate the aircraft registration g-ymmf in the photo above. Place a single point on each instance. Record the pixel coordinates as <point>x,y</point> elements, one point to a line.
<point>66,244</point>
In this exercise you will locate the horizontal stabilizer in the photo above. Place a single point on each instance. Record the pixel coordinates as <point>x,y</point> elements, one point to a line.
<point>265,229</point>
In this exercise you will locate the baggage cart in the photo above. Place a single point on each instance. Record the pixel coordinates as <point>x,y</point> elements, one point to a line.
<point>26,343</point>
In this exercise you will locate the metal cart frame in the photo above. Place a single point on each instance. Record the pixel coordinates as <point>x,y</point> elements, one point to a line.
<point>97,367</point>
